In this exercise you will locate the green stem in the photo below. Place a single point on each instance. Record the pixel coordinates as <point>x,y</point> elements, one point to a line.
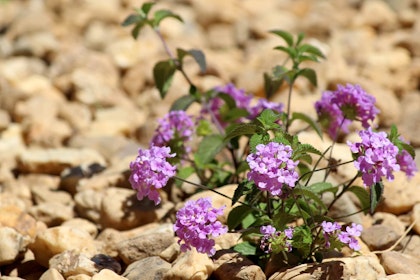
<point>289,101</point>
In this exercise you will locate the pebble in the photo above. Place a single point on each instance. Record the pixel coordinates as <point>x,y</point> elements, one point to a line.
<point>379,237</point>
<point>415,218</point>
<point>229,264</point>
<point>190,265</point>
<point>149,268</point>
<point>394,262</point>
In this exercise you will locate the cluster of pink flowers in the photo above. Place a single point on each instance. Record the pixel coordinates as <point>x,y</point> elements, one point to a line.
<point>177,126</point>
<point>274,240</point>
<point>337,109</point>
<point>151,171</point>
<point>196,223</point>
<point>378,157</point>
<point>271,167</point>
<point>348,237</point>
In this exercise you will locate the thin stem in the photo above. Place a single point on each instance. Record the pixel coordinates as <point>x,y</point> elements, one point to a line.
<point>332,147</point>
<point>343,191</point>
<point>213,190</point>
<point>289,101</point>
<point>324,168</point>
<point>171,55</point>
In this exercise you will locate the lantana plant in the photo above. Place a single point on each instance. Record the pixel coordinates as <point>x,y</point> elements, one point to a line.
<point>244,140</point>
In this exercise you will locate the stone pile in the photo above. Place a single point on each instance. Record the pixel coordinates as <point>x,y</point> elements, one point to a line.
<point>77,101</point>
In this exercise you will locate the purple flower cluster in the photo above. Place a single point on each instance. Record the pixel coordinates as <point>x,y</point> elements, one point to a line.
<point>174,125</point>
<point>151,171</point>
<point>274,240</point>
<point>348,237</point>
<point>196,223</point>
<point>378,157</point>
<point>242,101</point>
<point>272,167</point>
<point>337,109</point>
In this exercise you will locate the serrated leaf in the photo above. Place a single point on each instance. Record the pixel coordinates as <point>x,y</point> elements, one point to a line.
<point>363,195</point>
<point>246,248</point>
<point>208,148</point>
<point>163,73</point>
<point>303,117</point>
<point>240,130</point>
<point>162,14</point>
<point>286,36</point>
<point>309,74</point>
<point>409,149</point>
<point>322,187</point>
<point>268,118</point>
<point>376,192</point>
<point>182,103</point>
<point>242,188</point>
<point>310,194</point>
<point>255,140</point>
<point>237,215</point>
<point>131,19</point>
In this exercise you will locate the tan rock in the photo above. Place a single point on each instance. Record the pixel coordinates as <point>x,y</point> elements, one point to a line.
<point>80,223</point>
<point>56,240</point>
<point>52,274</point>
<point>389,220</point>
<point>13,244</point>
<point>70,263</point>
<point>231,265</point>
<point>52,213</point>
<point>88,204</point>
<point>190,265</point>
<point>148,269</point>
<point>13,216</point>
<point>402,276</point>
<point>394,262</point>
<point>106,274</point>
<point>415,217</point>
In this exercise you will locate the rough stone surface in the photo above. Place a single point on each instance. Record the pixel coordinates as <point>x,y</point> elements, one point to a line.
<point>149,268</point>
<point>395,262</point>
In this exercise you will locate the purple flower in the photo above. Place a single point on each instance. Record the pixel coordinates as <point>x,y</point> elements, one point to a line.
<point>349,236</point>
<point>196,223</point>
<point>329,229</point>
<point>176,125</point>
<point>150,171</point>
<point>272,167</point>
<point>275,241</point>
<point>337,109</point>
<point>376,157</point>
<point>407,163</point>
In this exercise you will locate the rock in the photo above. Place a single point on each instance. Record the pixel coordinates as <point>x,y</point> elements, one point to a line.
<point>227,240</point>
<point>190,265</point>
<point>13,244</point>
<point>51,274</point>
<point>52,213</point>
<point>402,276</point>
<point>361,267</point>
<point>42,194</point>
<point>38,44</point>
<point>410,246</point>
<point>13,217</point>
<point>120,209</point>
<point>231,265</point>
<point>409,128</point>
<point>106,274</point>
<point>54,161</point>
<point>70,263</point>
<point>394,262</point>
<point>88,204</point>
<point>83,224</point>
<point>149,243</point>
<point>103,261</point>
<point>77,115</point>
<point>79,277</point>
<point>171,253</point>
<point>70,177</point>
<point>149,268</point>
<point>56,240</point>
<point>379,237</point>
<point>4,120</point>
<point>415,217</point>
<point>385,18</point>
<point>389,220</point>
<point>406,190</point>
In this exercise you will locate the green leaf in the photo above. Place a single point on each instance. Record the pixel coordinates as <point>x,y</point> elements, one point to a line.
<point>237,215</point>
<point>229,101</point>
<point>300,38</point>
<point>243,187</point>
<point>281,219</point>
<point>312,123</point>
<point>145,8</point>
<point>306,48</point>
<point>246,248</point>
<point>322,187</point>
<point>302,239</point>
<point>363,195</point>
<point>131,19</point>
<point>310,194</point>
<point>268,118</point>
<point>290,51</point>
<point>163,73</point>
<point>309,74</point>
<point>208,148</point>
<point>286,36</point>
<point>204,128</point>
<point>182,103</point>
<point>240,130</point>
<point>197,55</point>
<point>376,192</point>
<point>255,140</point>
<point>162,14</point>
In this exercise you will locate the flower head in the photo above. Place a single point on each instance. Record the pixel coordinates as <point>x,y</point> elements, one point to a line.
<point>150,171</point>
<point>337,109</point>
<point>272,168</point>
<point>348,237</point>
<point>263,104</point>
<point>196,223</point>
<point>274,240</point>
<point>176,125</point>
<point>376,157</point>
<point>407,163</point>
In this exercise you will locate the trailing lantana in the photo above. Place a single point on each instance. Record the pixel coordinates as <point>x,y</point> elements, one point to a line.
<point>246,141</point>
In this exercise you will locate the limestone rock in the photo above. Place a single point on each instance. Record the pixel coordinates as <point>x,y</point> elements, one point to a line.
<point>231,265</point>
<point>190,265</point>
<point>52,274</point>
<point>70,263</point>
<point>379,237</point>
<point>149,268</point>
<point>13,244</point>
<point>394,262</point>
